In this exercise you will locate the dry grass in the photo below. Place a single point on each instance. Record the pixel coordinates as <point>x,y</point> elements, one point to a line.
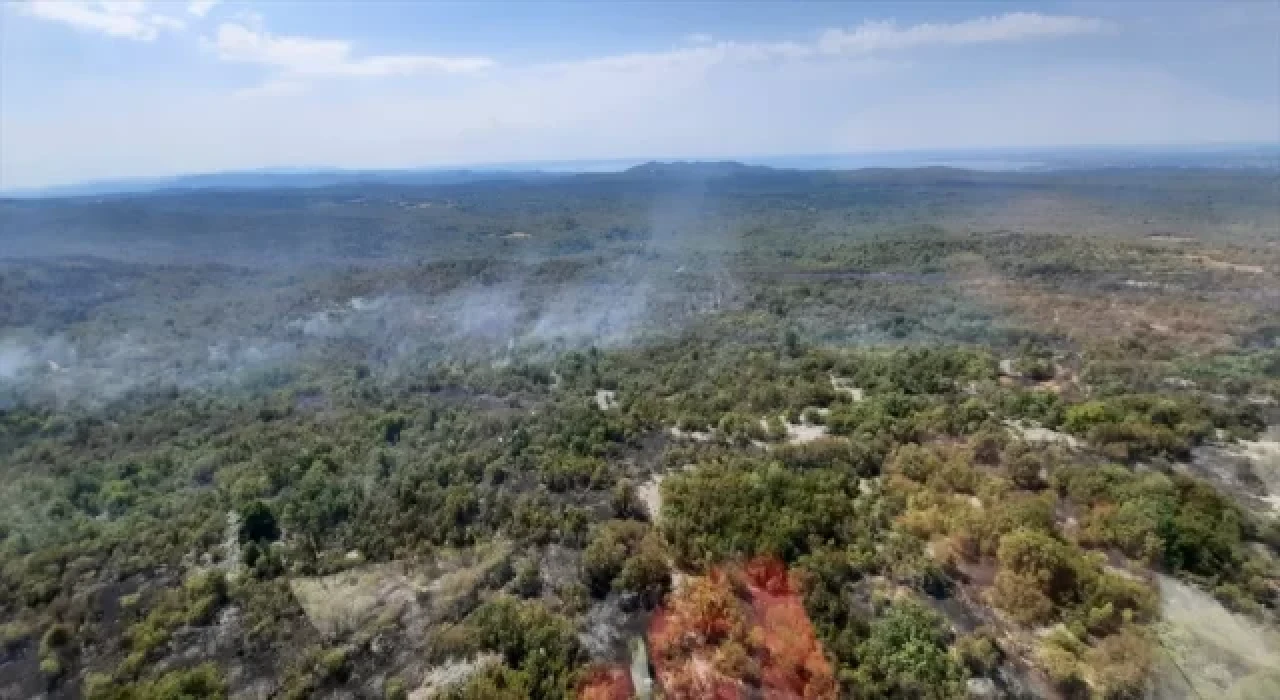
<point>341,603</point>
<point>1085,317</point>
<point>1215,264</point>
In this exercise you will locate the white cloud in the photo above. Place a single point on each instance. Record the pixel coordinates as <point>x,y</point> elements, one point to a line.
<point>170,23</point>
<point>200,8</point>
<point>247,42</point>
<point>870,37</point>
<point>305,56</point>
<point>120,19</point>
<point>866,39</point>
<point>537,114</point>
<point>715,99</point>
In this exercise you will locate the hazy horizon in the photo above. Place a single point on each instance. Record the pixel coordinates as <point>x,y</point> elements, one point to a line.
<point>104,91</point>
<point>988,159</point>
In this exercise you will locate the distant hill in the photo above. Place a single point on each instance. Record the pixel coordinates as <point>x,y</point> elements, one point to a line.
<point>696,169</point>
<point>910,164</point>
<point>279,179</point>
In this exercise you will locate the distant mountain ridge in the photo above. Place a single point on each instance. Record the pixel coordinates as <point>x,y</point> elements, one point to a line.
<point>695,168</point>
<point>277,179</point>
<point>1241,156</point>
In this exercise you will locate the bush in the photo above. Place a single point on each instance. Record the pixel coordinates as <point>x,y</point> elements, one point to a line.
<point>1114,599</point>
<point>1024,471</point>
<point>978,652</point>
<point>496,683</point>
<point>540,645</point>
<point>625,503</point>
<point>13,635</point>
<point>905,656</point>
<point>1037,574</point>
<point>988,444</point>
<point>333,663</point>
<point>1136,426</point>
<point>1062,668</point>
<point>55,638</point>
<point>830,453</point>
<point>258,523</point>
<point>1121,664</point>
<point>611,544</point>
<point>203,682</point>
<point>1022,598</point>
<point>627,555</point>
<point>394,689</point>
<point>745,507</point>
<point>528,580</point>
<point>51,667</point>
<point>646,571</point>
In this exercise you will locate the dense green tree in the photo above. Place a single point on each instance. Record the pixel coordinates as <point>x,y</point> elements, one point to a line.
<point>258,523</point>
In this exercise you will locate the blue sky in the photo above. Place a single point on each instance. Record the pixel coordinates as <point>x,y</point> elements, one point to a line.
<point>93,90</point>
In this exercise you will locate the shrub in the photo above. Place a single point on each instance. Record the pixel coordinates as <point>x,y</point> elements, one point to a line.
<point>394,689</point>
<point>51,667</point>
<point>333,663</point>
<point>625,503</point>
<point>258,523</point>
<point>14,634</point>
<point>1022,598</point>
<point>646,571</point>
<point>978,652</point>
<point>55,638</point>
<point>539,644</point>
<point>611,544</point>
<point>1024,470</point>
<point>988,444</point>
<point>203,682</point>
<point>528,580</point>
<point>1121,664</point>
<point>1062,668</point>
<point>905,655</point>
<point>1037,573</point>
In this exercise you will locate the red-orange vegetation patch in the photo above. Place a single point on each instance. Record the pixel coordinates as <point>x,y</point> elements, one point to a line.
<point>735,629</point>
<point>606,683</point>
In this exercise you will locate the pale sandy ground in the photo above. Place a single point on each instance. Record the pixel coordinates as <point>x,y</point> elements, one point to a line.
<point>1250,469</point>
<point>845,385</point>
<point>800,433</point>
<point>232,562</point>
<point>1264,456</point>
<point>650,493</point>
<point>606,399</point>
<point>1033,433</point>
<point>1206,651</point>
<point>1224,265</point>
<point>695,435</point>
<point>450,675</point>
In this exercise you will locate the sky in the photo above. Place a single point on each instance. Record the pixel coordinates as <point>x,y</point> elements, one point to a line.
<point>104,90</point>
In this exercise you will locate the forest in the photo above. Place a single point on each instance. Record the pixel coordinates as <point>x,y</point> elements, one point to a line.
<point>690,430</point>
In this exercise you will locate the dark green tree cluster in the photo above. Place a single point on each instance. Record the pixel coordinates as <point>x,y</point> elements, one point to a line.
<point>626,555</point>
<point>743,507</point>
<point>540,653</point>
